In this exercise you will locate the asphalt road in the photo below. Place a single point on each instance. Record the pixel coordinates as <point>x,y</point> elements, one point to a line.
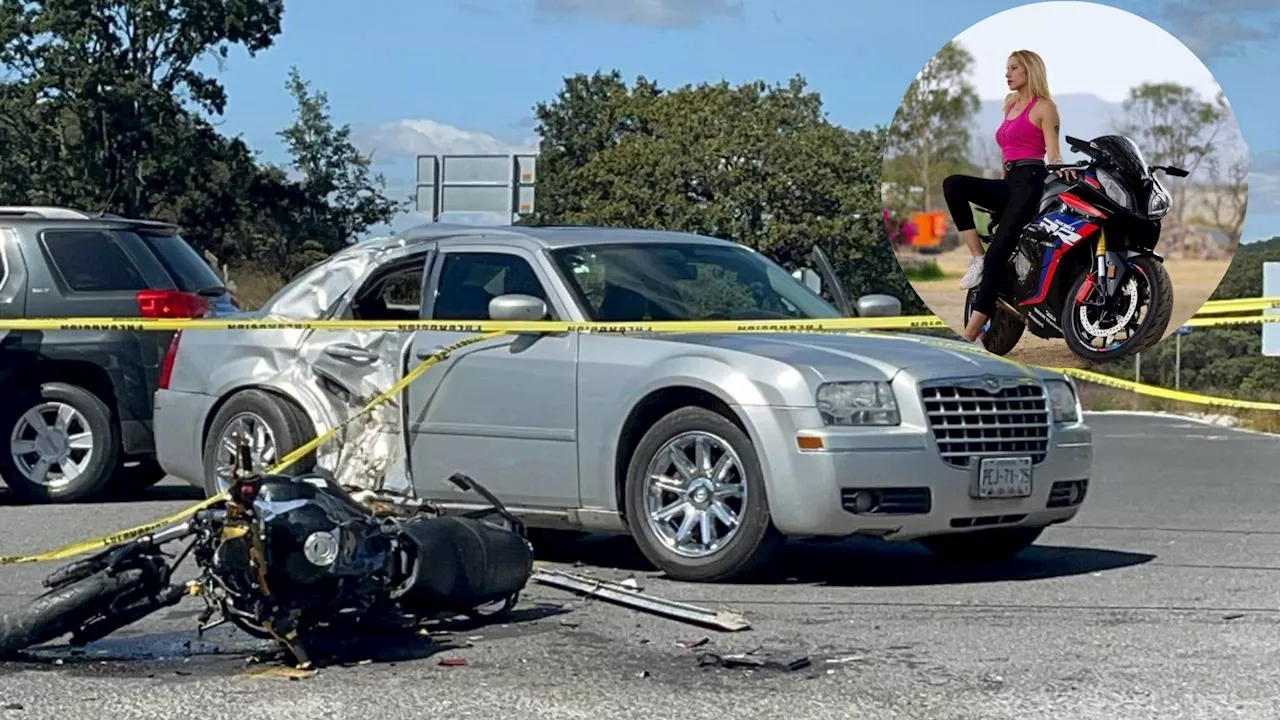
<point>1161,600</point>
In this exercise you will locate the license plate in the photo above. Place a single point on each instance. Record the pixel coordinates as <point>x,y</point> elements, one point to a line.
<point>1004,477</point>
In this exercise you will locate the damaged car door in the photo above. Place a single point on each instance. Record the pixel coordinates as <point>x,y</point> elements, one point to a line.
<point>503,410</point>
<point>352,367</point>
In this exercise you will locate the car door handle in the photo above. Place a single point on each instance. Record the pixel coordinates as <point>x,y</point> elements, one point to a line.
<point>350,353</point>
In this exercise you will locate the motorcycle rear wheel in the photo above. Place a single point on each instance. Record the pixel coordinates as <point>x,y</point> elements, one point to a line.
<point>1003,331</point>
<point>63,610</point>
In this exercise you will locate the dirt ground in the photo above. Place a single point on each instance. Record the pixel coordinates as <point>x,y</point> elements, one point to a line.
<point>1193,282</point>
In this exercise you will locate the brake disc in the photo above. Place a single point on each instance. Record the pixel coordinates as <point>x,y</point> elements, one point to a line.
<point>1128,290</point>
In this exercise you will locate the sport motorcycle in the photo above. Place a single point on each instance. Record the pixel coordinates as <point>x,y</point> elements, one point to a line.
<point>1086,269</point>
<point>287,558</point>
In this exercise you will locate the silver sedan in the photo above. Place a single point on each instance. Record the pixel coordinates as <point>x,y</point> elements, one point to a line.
<point>708,448</point>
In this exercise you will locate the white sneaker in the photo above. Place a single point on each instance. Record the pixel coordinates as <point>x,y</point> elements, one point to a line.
<point>973,275</point>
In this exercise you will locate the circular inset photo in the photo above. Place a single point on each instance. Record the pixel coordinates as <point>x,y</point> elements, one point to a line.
<point>1065,203</point>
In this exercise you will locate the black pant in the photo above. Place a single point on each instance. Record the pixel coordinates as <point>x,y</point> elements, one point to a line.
<point>1013,200</point>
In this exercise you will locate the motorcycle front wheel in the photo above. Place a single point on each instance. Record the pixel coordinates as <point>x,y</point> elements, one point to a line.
<point>63,610</point>
<point>1140,311</point>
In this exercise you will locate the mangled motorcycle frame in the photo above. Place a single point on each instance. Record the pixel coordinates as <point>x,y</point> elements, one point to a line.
<point>291,557</point>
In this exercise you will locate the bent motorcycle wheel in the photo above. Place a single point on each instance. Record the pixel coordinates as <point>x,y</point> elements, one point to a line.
<point>1154,294</point>
<point>61,611</point>
<point>672,491</point>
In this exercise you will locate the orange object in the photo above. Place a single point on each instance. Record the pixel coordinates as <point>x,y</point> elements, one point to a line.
<point>930,227</point>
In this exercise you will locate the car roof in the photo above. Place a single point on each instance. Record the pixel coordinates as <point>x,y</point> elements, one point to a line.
<point>54,215</point>
<point>549,237</point>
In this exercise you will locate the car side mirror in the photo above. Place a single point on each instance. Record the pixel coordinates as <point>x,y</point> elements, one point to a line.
<point>810,277</point>
<point>517,308</point>
<point>879,305</point>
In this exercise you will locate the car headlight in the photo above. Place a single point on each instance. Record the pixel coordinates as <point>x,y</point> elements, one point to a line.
<point>861,402</point>
<point>1063,402</point>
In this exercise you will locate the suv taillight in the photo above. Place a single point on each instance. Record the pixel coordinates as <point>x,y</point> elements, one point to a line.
<point>166,365</point>
<point>170,304</point>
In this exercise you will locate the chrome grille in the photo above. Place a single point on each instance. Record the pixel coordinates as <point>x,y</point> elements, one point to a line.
<point>970,421</point>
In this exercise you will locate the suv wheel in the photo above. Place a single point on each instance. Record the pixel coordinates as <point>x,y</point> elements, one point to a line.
<point>695,498</point>
<point>272,426</point>
<point>60,444</point>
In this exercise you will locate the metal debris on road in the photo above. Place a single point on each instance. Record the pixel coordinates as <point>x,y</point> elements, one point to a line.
<point>453,662</point>
<point>693,642</point>
<point>758,658</point>
<point>622,595</point>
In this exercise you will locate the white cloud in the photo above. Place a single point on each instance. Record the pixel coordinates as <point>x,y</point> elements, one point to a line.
<point>651,13</point>
<point>1264,182</point>
<point>1087,48</point>
<point>1221,29</point>
<point>411,137</point>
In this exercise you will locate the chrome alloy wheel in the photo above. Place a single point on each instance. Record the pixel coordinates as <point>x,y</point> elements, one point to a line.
<point>51,435</point>
<point>695,494</point>
<point>249,428</point>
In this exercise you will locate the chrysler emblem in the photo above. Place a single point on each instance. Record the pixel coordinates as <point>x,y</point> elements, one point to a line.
<point>991,384</point>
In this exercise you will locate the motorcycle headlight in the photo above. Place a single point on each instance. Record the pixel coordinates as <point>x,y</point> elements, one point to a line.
<point>1115,190</point>
<point>862,402</point>
<point>1158,205</point>
<point>1063,402</point>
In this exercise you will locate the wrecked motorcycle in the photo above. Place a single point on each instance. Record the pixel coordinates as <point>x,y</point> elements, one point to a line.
<point>290,557</point>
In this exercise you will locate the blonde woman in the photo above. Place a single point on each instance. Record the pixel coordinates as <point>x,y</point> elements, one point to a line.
<point>1030,129</point>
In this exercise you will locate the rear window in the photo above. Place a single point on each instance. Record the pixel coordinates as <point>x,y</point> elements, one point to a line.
<point>189,271</point>
<point>94,260</point>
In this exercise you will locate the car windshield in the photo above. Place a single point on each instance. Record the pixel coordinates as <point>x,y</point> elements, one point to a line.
<point>684,281</point>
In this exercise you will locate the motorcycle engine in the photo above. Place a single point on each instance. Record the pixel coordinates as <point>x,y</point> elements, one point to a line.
<point>319,548</point>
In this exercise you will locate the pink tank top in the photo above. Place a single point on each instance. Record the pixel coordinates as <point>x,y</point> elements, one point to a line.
<point>1019,138</point>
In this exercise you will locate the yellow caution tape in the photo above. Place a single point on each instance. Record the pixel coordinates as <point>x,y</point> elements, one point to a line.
<point>1220,321</point>
<point>1215,307</point>
<point>288,460</point>
<point>1165,393</point>
<point>482,330</point>
<point>900,322</point>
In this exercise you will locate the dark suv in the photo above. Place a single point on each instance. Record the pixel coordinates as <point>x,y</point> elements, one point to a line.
<point>75,405</point>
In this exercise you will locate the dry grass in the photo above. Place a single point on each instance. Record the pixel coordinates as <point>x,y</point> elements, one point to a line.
<point>255,286</point>
<point>1101,397</point>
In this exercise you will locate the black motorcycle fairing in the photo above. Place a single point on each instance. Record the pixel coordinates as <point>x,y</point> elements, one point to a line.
<point>289,511</point>
<point>1053,187</point>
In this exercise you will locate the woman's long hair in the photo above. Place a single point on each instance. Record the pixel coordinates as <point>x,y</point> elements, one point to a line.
<point>1037,77</point>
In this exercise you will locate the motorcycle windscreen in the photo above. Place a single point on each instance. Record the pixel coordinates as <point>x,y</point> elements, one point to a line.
<point>1128,163</point>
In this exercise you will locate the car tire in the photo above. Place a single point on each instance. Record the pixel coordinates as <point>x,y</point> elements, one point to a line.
<point>89,414</point>
<point>287,427</point>
<point>755,540</point>
<point>982,545</point>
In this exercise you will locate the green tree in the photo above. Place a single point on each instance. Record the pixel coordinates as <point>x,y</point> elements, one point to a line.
<point>929,137</point>
<point>347,197</point>
<point>1173,125</point>
<point>103,108</point>
<point>753,163</point>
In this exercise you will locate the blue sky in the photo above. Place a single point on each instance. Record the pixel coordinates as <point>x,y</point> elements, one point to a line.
<point>464,75</point>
